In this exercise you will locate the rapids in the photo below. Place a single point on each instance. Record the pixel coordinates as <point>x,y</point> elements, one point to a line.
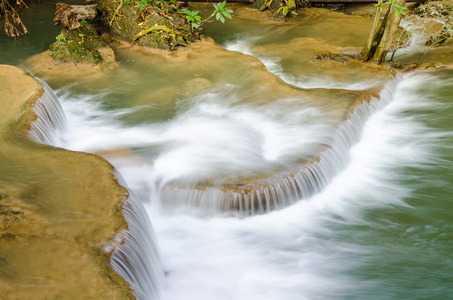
<point>354,196</point>
<point>320,248</point>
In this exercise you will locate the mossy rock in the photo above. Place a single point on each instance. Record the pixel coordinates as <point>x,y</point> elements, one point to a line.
<point>122,22</point>
<point>78,46</point>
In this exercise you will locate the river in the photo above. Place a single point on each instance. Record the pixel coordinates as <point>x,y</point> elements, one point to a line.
<point>380,227</point>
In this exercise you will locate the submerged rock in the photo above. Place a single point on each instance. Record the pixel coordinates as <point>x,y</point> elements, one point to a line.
<point>334,56</point>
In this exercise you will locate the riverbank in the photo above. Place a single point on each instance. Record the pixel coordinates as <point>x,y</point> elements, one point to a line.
<point>53,229</point>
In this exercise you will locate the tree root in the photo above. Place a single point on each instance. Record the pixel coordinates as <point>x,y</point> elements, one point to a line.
<point>172,32</point>
<point>267,4</point>
<point>116,12</point>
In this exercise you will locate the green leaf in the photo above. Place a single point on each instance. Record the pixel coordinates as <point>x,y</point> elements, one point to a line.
<point>217,15</point>
<point>226,14</point>
<point>222,19</point>
<point>222,5</point>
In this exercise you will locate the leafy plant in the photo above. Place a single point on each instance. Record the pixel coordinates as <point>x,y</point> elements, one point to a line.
<point>221,12</point>
<point>399,9</point>
<point>142,4</point>
<point>193,18</point>
<point>288,8</point>
<point>60,37</point>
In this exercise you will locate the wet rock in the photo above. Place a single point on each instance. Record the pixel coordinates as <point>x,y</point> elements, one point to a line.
<point>330,6</point>
<point>7,236</point>
<point>8,216</point>
<point>397,65</point>
<point>3,262</point>
<point>336,57</point>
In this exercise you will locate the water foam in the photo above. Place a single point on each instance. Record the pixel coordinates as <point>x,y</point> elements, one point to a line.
<point>300,252</point>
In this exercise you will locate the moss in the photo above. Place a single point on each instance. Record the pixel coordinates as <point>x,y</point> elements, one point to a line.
<point>122,21</point>
<point>79,46</point>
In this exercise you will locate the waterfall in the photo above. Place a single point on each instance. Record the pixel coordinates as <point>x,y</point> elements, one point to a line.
<point>284,190</point>
<point>50,119</point>
<point>136,259</point>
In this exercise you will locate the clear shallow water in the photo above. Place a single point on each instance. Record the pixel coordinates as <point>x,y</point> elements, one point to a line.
<point>380,230</point>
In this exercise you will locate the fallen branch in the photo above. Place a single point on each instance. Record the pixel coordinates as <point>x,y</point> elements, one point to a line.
<point>70,15</point>
<point>9,11</point>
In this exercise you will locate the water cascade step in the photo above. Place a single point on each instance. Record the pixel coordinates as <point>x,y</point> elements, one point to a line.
<point>276,193</point>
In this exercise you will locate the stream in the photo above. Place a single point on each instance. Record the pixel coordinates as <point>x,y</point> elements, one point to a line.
<point>256,107</point>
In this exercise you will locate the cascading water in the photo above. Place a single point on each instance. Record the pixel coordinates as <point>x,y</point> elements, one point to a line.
<point>305,250</point>
<point>286,189</point>
<point>376,219</point>
<point>136,258</point>
<point>50,120</point>
<point>297,252</point>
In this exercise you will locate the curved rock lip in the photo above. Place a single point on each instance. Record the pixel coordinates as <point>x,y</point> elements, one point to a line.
<point>259,195</point>
<point>59,209</point>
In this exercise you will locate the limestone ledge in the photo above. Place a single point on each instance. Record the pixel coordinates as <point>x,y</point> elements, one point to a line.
<point>59,210</point>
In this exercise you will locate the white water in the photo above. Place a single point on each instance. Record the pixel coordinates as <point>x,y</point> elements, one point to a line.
<point>50,123</point>
<point>293,253</point>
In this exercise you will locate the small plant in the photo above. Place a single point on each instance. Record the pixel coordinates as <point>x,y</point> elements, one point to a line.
<point>288,8</point>
<point>220,13</point>
<point>193,18</point>
<point>399,9</point>
<point>60,37</point>
<point>142,4</point>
